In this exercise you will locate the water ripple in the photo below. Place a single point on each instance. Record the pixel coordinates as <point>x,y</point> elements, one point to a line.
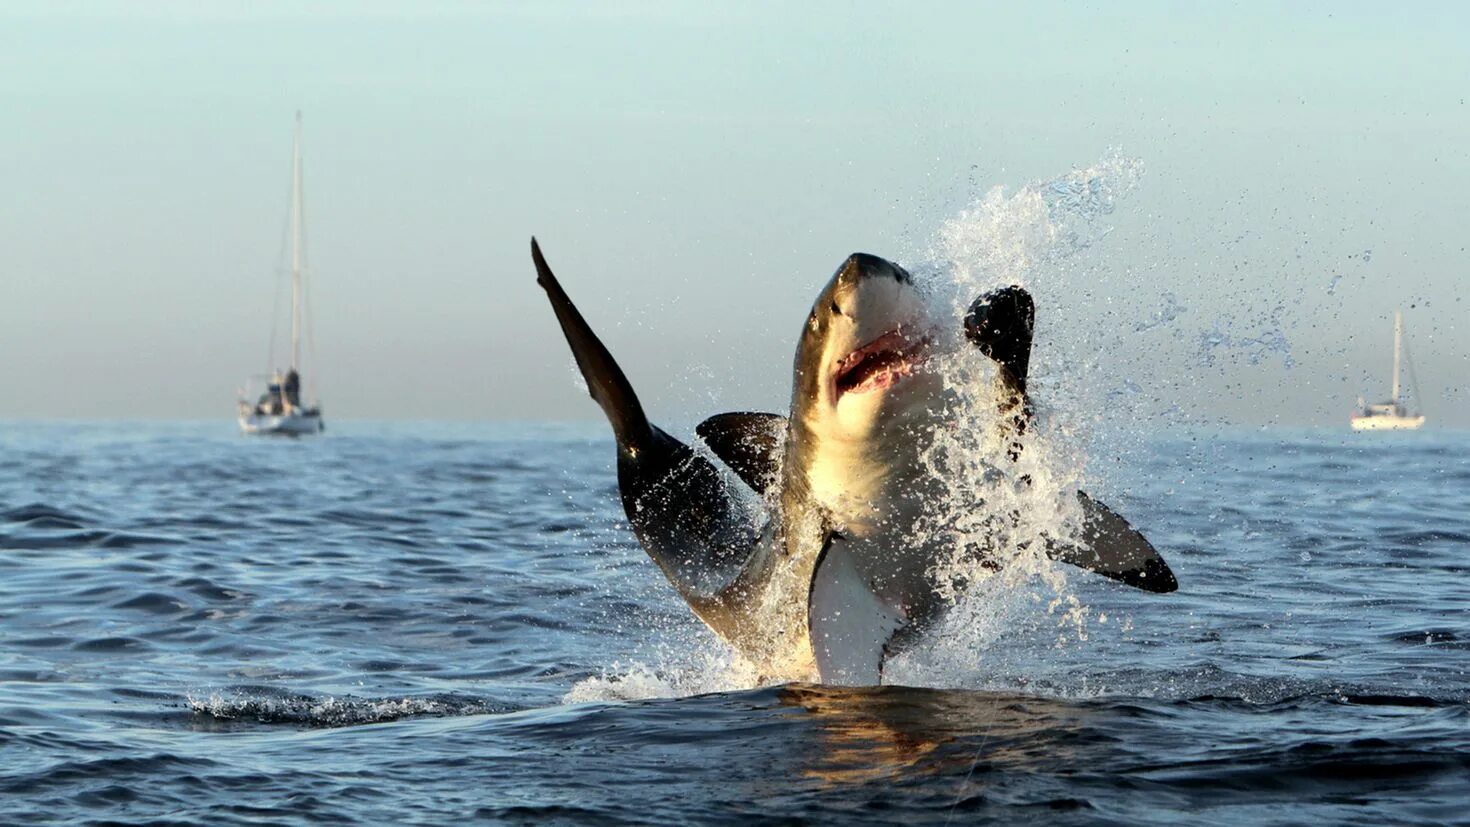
<point>434,623</point>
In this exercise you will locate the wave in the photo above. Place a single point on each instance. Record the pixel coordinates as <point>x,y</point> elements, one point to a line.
<point>323,711</point>
<point>88,538</point>
<point>40,512</point>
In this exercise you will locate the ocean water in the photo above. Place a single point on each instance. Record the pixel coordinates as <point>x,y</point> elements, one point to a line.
<point>427,623</point>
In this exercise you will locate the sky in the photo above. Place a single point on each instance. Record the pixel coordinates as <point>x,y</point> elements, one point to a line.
<point>695,172</point>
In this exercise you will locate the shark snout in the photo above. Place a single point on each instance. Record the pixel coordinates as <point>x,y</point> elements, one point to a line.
<point>862,266</point>
<point>869,289</point>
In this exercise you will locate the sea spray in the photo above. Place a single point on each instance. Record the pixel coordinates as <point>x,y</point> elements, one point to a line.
<point>1001,507</point>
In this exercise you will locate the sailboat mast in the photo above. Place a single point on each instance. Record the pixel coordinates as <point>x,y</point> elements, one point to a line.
<point>1398,337</point>
<point>296,248</point>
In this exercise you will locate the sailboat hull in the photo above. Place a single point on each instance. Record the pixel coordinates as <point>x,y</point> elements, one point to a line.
<point>1386,423</point>
<point>291,424</point>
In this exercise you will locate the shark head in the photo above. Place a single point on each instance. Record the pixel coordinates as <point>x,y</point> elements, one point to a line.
<point>863,397</point>
<point>859,366</point>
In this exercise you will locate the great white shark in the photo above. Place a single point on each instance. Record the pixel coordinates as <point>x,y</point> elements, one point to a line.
<point>804,551</point>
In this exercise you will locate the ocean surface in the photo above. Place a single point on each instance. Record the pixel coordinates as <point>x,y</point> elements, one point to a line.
<point>429,623</point>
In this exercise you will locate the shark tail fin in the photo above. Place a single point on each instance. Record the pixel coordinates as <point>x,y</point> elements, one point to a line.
<point>606,383</point>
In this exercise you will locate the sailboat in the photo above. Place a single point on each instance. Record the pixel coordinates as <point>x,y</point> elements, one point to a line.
<point>1390,415</point>
<point>280,409</point>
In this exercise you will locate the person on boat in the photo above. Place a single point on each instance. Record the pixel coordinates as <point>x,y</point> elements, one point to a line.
<point>292,389</point>
<point>269,404</point>
<point>270,401</point>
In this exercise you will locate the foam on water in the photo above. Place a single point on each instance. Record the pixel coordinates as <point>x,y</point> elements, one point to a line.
<point>329,710</point>
<point>678,675</point>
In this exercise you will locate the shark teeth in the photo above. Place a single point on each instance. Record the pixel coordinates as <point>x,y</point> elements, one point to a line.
<point>879,364</point>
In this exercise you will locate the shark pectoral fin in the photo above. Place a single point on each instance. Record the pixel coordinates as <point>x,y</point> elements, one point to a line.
<point>751,444</point>
<point>1113,548</point>
<point>849,625</point>
<point>1000,323</point>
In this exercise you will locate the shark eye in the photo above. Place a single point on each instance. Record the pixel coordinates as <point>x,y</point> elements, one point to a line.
<point>836,309</point>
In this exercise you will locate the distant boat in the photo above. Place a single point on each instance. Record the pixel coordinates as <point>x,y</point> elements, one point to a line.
<point>1390,415</point>
<point>280,410</point>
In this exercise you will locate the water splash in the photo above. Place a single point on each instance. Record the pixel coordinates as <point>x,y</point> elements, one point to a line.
<point>1004,238</point>
<point>1001,507</point>
<point>1256,340</point>
<point>669,675</point>
<point>1171,310</point>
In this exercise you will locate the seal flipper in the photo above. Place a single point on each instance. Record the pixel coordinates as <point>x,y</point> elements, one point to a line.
<point>1113,548</point>
<point>677,502</point>
<point>750,443</point>
<point>850,626</point>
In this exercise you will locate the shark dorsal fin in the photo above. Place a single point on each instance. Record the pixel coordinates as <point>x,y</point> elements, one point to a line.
<point>751,444</point>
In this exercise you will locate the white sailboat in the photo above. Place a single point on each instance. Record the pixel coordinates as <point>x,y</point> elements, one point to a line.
<point>280,409</point>
<point>1391,415</point>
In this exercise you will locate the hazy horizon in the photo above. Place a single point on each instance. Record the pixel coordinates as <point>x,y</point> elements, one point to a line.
<point>695,174</point>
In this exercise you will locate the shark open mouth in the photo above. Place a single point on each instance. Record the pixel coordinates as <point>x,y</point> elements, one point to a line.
<point>881,363</point>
